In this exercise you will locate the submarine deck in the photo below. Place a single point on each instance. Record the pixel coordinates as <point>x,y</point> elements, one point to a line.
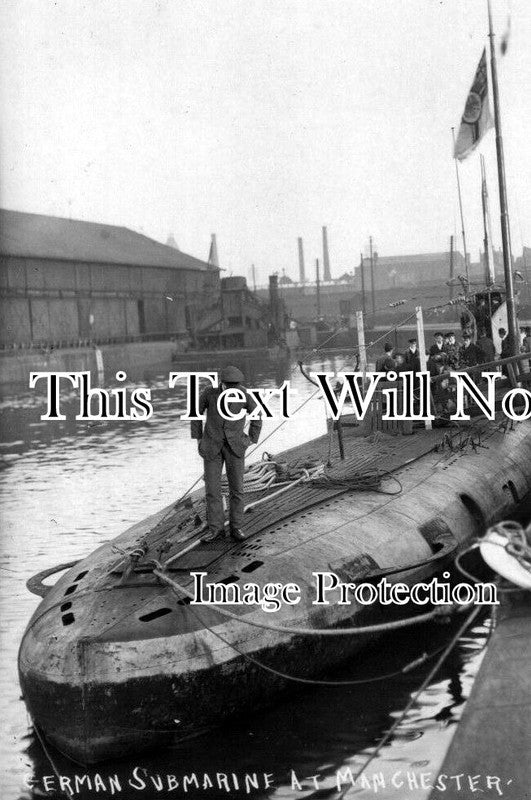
<point>368,464</point>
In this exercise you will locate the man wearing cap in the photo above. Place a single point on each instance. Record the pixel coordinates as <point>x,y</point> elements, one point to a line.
<point>451,349</point>
<point>437,348</point>
<point>386,362</point>
<point>411,356</point>
<point>469,354</point>
<point>224,441</point>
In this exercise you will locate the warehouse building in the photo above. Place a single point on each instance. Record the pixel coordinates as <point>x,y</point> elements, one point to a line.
<point>67,282</point>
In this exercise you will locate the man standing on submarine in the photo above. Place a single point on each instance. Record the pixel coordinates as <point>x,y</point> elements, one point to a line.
<point>224,441</point>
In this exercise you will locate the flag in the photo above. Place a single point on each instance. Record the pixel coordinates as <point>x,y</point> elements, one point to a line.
<point>476,119</point>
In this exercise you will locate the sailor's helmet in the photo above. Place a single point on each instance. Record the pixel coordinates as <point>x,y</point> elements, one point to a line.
<point>231,374</point>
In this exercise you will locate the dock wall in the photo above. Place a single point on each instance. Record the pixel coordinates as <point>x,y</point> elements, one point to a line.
<point>15,367</point>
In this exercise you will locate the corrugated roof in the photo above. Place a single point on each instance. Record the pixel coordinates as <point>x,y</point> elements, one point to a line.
<point>40,236</point>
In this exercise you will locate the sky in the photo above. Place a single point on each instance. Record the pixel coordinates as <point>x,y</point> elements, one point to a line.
<point>261,121</point>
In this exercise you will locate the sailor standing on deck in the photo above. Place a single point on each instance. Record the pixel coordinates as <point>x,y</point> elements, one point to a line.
<point>224,441</point>
<point>386,362</point>
<point>470,354</point>
<point>411,356</point>
<point>451,349</point>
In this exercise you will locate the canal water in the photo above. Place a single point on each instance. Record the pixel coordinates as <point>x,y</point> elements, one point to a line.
<point>69,486</point>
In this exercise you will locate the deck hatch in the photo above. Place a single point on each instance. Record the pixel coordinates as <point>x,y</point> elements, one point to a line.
<point>71,589</point>
<point>252,566</point>
<point>160,612</point>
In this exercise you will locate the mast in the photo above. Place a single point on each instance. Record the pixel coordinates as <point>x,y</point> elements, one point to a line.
<point>362,268</point>
<point>372,280</point>
<point>451,266</point>
<point>504,213</point>
<point>487,243</point>
<point>461,214</point>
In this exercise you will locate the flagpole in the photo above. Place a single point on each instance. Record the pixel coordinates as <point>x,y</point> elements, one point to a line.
<point>489,267</point>
<point>461,213</point>
<point>504,214</point>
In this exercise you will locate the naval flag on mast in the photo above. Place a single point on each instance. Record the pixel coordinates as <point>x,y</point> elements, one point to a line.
<point>476,119</point>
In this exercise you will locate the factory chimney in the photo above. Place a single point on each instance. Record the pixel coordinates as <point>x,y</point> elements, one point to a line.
<point>302,276</point>
<point>213,260</point>
<point>326,260</point>
<point>275,307</point>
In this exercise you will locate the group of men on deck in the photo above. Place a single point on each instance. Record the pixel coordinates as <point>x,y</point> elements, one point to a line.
<point>445,354</point>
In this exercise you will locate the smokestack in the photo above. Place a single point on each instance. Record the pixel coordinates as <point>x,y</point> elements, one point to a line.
<point>302,276</point>
<point>326,260</point>
<point>274,304</point>
<point>213,259</point>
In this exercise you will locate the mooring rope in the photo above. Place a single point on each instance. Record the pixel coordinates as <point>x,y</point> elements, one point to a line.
<point>440,611</point>
<point>47,753</point>
<point>420,661</point>
<point>417,662</point>
<point>415,697</point>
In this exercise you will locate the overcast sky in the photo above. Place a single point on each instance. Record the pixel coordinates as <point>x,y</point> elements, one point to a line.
<point>260,120</point>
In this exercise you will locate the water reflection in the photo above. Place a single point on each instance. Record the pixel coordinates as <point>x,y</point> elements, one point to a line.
<point>323,732</point>
<point>68,486</point>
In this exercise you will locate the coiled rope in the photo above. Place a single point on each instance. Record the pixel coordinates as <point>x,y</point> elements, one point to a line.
<point>369,481</point>
<point>518,545</point>
<point>518,541</point>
